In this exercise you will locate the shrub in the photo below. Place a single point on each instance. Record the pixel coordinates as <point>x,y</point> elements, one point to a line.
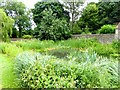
<point>107,29</point>
<point>10,49</point>
<point>116,45</point>
<point>104,49</point>
<point>76,29</point>
<point>27,36</point>
<point>35,70</point>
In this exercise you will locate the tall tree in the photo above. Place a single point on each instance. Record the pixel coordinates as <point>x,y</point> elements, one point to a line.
<point>89,19</point>
<point>19,13</point>
<point>6,24</point>
<point>109,12</point>
<point>51,20</point>
<point>74,9</point>
<point>56,7</point>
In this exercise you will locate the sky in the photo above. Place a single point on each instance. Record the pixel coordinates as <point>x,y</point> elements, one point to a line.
<point>30,3</point>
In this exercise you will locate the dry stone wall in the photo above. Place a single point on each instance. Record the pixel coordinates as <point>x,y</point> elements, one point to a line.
<point>103,38</point>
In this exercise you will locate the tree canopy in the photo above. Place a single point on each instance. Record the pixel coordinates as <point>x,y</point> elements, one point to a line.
<point>19,13</point>
<point>95,15</point>
<point>52,21</point>
<point>88,21</point>
<point>56,7</point>
<point>6,24</point>
<point>109,12</point>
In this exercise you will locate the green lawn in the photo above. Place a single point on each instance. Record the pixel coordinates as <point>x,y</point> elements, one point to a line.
<point>6,72</point>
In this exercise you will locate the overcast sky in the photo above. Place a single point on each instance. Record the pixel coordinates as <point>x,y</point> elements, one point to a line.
<point>30,3</point>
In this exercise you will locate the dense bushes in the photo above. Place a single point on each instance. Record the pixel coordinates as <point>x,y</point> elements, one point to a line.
<point>42,71</point>
<point>27,36</point>
<point>104,49</point>
<point>107,29</point>
<point>10,49</point>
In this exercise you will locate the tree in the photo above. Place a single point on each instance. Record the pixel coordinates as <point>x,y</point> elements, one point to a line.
<point>88,21</point>
<point>56,7</point>
<point>19,13</point>
<point>6,24</point>
<point>52,28</point>
<point>51,20</point>
<point>73,7</point>
<point>109,12</point>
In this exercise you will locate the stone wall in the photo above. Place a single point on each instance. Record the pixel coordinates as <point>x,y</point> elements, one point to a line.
<point>117,32</point>
<point>103,38</point>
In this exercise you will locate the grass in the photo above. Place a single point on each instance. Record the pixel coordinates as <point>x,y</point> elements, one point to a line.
<point>6,72</point>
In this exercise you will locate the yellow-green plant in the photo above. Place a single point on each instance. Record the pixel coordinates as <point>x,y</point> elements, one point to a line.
<point>6,24</point>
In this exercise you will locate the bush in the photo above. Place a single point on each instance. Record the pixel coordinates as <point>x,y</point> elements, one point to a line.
<point>107,29</point>
<point>10,49</point>
<point>116,45</point>
<point>104,49</point>
<point>27,36</point>
<point>35,70</point>
<point>76,29</point>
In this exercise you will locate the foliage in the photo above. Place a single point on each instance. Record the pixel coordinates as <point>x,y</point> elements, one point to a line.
<point>95,15</point>
<point>107,29</point>
<point>7,76</point>
<point>89,19</point>
<point>35,70</point>
<point>116,45</point>
<point>15,33</point>
<point>104,49</point>
<point>34,44</point>
<point>108,12</point>
<point>82,43</point>
<point>6,24</point>
<point>76,29</point>
<point>18,12</point>
<point>27,36</point>
<point>10,49</point>
<point>73,63</point>
<point>66,46</point>
<point>56,8</point>
<point>73,8</point>
<point>51,28</point>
